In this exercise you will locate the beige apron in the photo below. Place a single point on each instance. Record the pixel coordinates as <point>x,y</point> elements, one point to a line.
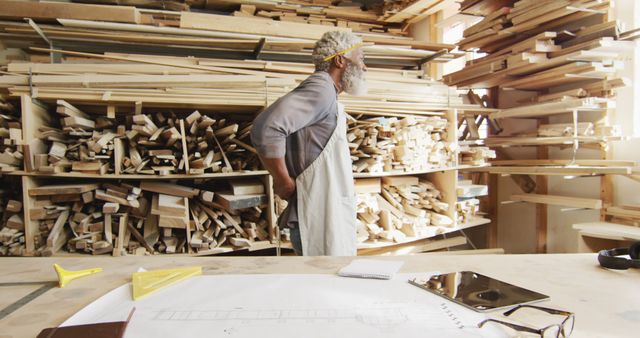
<point>326,198</point>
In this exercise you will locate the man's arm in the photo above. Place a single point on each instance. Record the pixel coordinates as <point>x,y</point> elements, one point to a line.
<point>283,184</point>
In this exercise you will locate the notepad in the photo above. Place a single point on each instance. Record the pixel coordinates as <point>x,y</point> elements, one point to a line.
<point>371,268</point>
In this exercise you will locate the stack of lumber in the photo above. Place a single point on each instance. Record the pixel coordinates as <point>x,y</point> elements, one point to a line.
<point>12,241</point>
<point>235,85</point>
<point>525,18</point>
<point>474,156</point>
<point>169,5</point>
<point>535,45</point>
<point>399,209</point>
<point>411,11</point>
<point>410,144</point>
<point>275,30</point>
<point>11,154</point>
<point>206,82</point>
<point>390,17</point>
<point>563,56</point>
<point>138,143</point>
<point>483,7</point>
<point>147,217</point>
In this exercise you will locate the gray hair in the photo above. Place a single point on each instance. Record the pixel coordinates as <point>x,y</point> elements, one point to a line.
<point>330,43</point>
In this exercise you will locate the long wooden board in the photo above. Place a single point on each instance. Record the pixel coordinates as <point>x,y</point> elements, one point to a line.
<point>57,10</point>
<point>575,202</point>
<point>246,25</point>
<point>62,189</point>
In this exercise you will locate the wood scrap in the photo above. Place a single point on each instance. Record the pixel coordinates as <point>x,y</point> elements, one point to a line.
<point>407,208</point>
<point>155,213</point>
<point>394,145</point>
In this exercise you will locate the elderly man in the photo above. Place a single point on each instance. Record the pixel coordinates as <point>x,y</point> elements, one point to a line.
<point>301,139</point>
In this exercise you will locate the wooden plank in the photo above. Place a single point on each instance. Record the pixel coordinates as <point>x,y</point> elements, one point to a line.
<point>169,189</point>
<point>246,187</point>
<point>122,229</point>
<point>551,108</point>
<point>623,213</point>
<point>552,140</point>
<point>555,170</point>
<point>172,204</point>
<point>541,162</point>
<point>400,180</point>
<point>62,189</point>
<point>185,151</point>
<point>69,110</point>
<point>118,155</point>
<point>224,23</point>
<point>232,202</point>
<point>58,237</point>
<point>574,202</point>
<point>608,230</point>
<point>56,10</point>
<point>102,195</point>
<point>368,186</point>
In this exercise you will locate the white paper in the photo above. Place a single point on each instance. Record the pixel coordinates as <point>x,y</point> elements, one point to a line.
<point>287,306</point>
<point>371,268</point>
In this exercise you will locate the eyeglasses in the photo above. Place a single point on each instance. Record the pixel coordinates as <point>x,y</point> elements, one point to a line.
<point>562,330</point>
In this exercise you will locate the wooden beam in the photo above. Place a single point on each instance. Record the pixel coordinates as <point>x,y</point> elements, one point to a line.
<point>613,163</point>
<point>56,10</point>
<point>225,23</point>
<point>574,202</point>
<point>555,170</point>
<point>63,189</point>
<point>169,189</point>
<point>623,213</point>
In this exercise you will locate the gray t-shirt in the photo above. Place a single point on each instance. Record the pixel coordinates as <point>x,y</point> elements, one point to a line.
<point>297,127</point>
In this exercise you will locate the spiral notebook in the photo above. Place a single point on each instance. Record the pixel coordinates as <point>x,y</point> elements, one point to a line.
<point>371,268</point>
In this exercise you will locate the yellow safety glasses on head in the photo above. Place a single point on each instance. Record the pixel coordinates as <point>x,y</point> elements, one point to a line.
<point>344,51</point>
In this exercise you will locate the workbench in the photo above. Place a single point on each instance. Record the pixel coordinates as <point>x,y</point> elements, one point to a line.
<point>606,303</point>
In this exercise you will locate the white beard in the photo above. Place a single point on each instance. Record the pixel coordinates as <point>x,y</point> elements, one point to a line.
<point>354,81</point>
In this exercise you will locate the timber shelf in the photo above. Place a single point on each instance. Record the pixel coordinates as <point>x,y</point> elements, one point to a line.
<point>400,173</point>
<point>554,170</point>
<point>436,231</point>
<point>413,173</point>
<point>547,141</point>
<point>546,109</point>
<point>139,176</point>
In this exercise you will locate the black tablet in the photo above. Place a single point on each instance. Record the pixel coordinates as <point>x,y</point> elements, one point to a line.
<point>476,291</point>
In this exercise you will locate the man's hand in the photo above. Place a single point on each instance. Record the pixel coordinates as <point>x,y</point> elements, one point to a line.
<point>283,184</point>
<point>285,189</point>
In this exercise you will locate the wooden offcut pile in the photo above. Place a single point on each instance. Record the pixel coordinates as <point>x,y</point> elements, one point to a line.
<point>410,144</point>
<point>12,227</point>
<point>11,155</point>
<point>137,143</point>
<point>399,209</point>
<point>148,217</point>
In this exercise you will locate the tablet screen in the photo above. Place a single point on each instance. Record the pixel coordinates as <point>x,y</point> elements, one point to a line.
<point>476,291</point>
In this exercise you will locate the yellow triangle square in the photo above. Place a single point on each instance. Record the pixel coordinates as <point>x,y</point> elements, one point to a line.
<point>145,283</point>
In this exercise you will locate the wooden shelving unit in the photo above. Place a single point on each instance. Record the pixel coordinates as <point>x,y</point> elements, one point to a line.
<point>35,115</point>
<point>557,61</point>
